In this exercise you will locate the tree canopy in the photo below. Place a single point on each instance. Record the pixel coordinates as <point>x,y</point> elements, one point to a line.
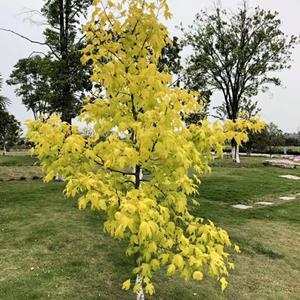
<point>33,79</point>
<point>237,53</point>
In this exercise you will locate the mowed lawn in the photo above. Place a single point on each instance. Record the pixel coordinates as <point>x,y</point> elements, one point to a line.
<point>51,250</point>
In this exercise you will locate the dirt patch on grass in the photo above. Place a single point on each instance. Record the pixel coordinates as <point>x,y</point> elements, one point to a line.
<point>8,173</point>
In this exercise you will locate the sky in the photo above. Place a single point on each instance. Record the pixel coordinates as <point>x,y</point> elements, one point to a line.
<point>280,105</point>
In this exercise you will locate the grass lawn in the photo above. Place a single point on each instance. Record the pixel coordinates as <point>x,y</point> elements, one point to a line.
<point>17,160</point>
<point>51,250</point>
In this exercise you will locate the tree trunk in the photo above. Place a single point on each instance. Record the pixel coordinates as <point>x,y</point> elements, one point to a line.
<point>235,152</point>
<point>66,93</point>
<point>138,177</point>
<point>232,150</point>
<point>140,295</point>
<point>66,118</point>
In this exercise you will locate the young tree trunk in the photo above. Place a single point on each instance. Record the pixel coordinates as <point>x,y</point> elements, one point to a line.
<point>4,144</point>
<point>232,150</point>
<point>235,152</point>
<point>139,280</point>
<point>4,149</point>
<point>140,295</point>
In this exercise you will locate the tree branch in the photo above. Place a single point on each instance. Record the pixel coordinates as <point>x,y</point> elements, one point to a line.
<point>24,37</point>
<point>30,40</point>
<point>113,170</point>
<point>36,52</point>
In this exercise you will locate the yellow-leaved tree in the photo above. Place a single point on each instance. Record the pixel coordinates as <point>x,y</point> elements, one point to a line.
<point>140,165</point>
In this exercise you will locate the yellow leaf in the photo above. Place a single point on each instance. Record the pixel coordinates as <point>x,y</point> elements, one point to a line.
<point>150,289</point>
<point>126,285</point>
<point>171,269</point>
<point>198,275</point>
<point>224,283</point>
<point>178,261</point>
<point>237,249</point>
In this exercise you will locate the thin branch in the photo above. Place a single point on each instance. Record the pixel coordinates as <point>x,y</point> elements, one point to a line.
<point>36,52</point>
<point>118,171</point>
<point>115,55</point>
<point>159,189</point>
<point>30,40</point>
<point>104,10</point>
<point>175,82</point>
<point>24,37</point>
<point>111,169</point>
<point>32,12</point>
<point>80,40</point>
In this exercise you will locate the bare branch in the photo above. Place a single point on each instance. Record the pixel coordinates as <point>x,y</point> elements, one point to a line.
<point>30,40</point>
<point>37,52</point>
<point>24,37</point>
<point>176,81</point>
<point>80,40</point>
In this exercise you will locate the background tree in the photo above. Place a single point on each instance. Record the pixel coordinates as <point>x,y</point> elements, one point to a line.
<point>170,58</point>
<point>9,130</point>
<point>267,140</point>
<point>238,54</point>
<point>292,139</point>
<point>3,100</point>
<point>149,212</point>
<point>33,79</point>
<point>68,79</point>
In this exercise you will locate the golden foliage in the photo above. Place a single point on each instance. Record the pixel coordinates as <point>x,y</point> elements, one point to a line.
<point>138,125</point>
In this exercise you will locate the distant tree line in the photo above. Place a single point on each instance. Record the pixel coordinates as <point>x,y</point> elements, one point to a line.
<point>292,139</point>
<point>272,140</point>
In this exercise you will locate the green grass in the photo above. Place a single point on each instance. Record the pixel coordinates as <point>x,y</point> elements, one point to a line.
<point>51,250</point>
<point>246,162</point>
<point>17,160</point>
<point>249,181</point>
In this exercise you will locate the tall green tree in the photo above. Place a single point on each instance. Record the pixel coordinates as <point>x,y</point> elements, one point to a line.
<point>65,76</point>
<point>238,54</point>
<point>69,77</point>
